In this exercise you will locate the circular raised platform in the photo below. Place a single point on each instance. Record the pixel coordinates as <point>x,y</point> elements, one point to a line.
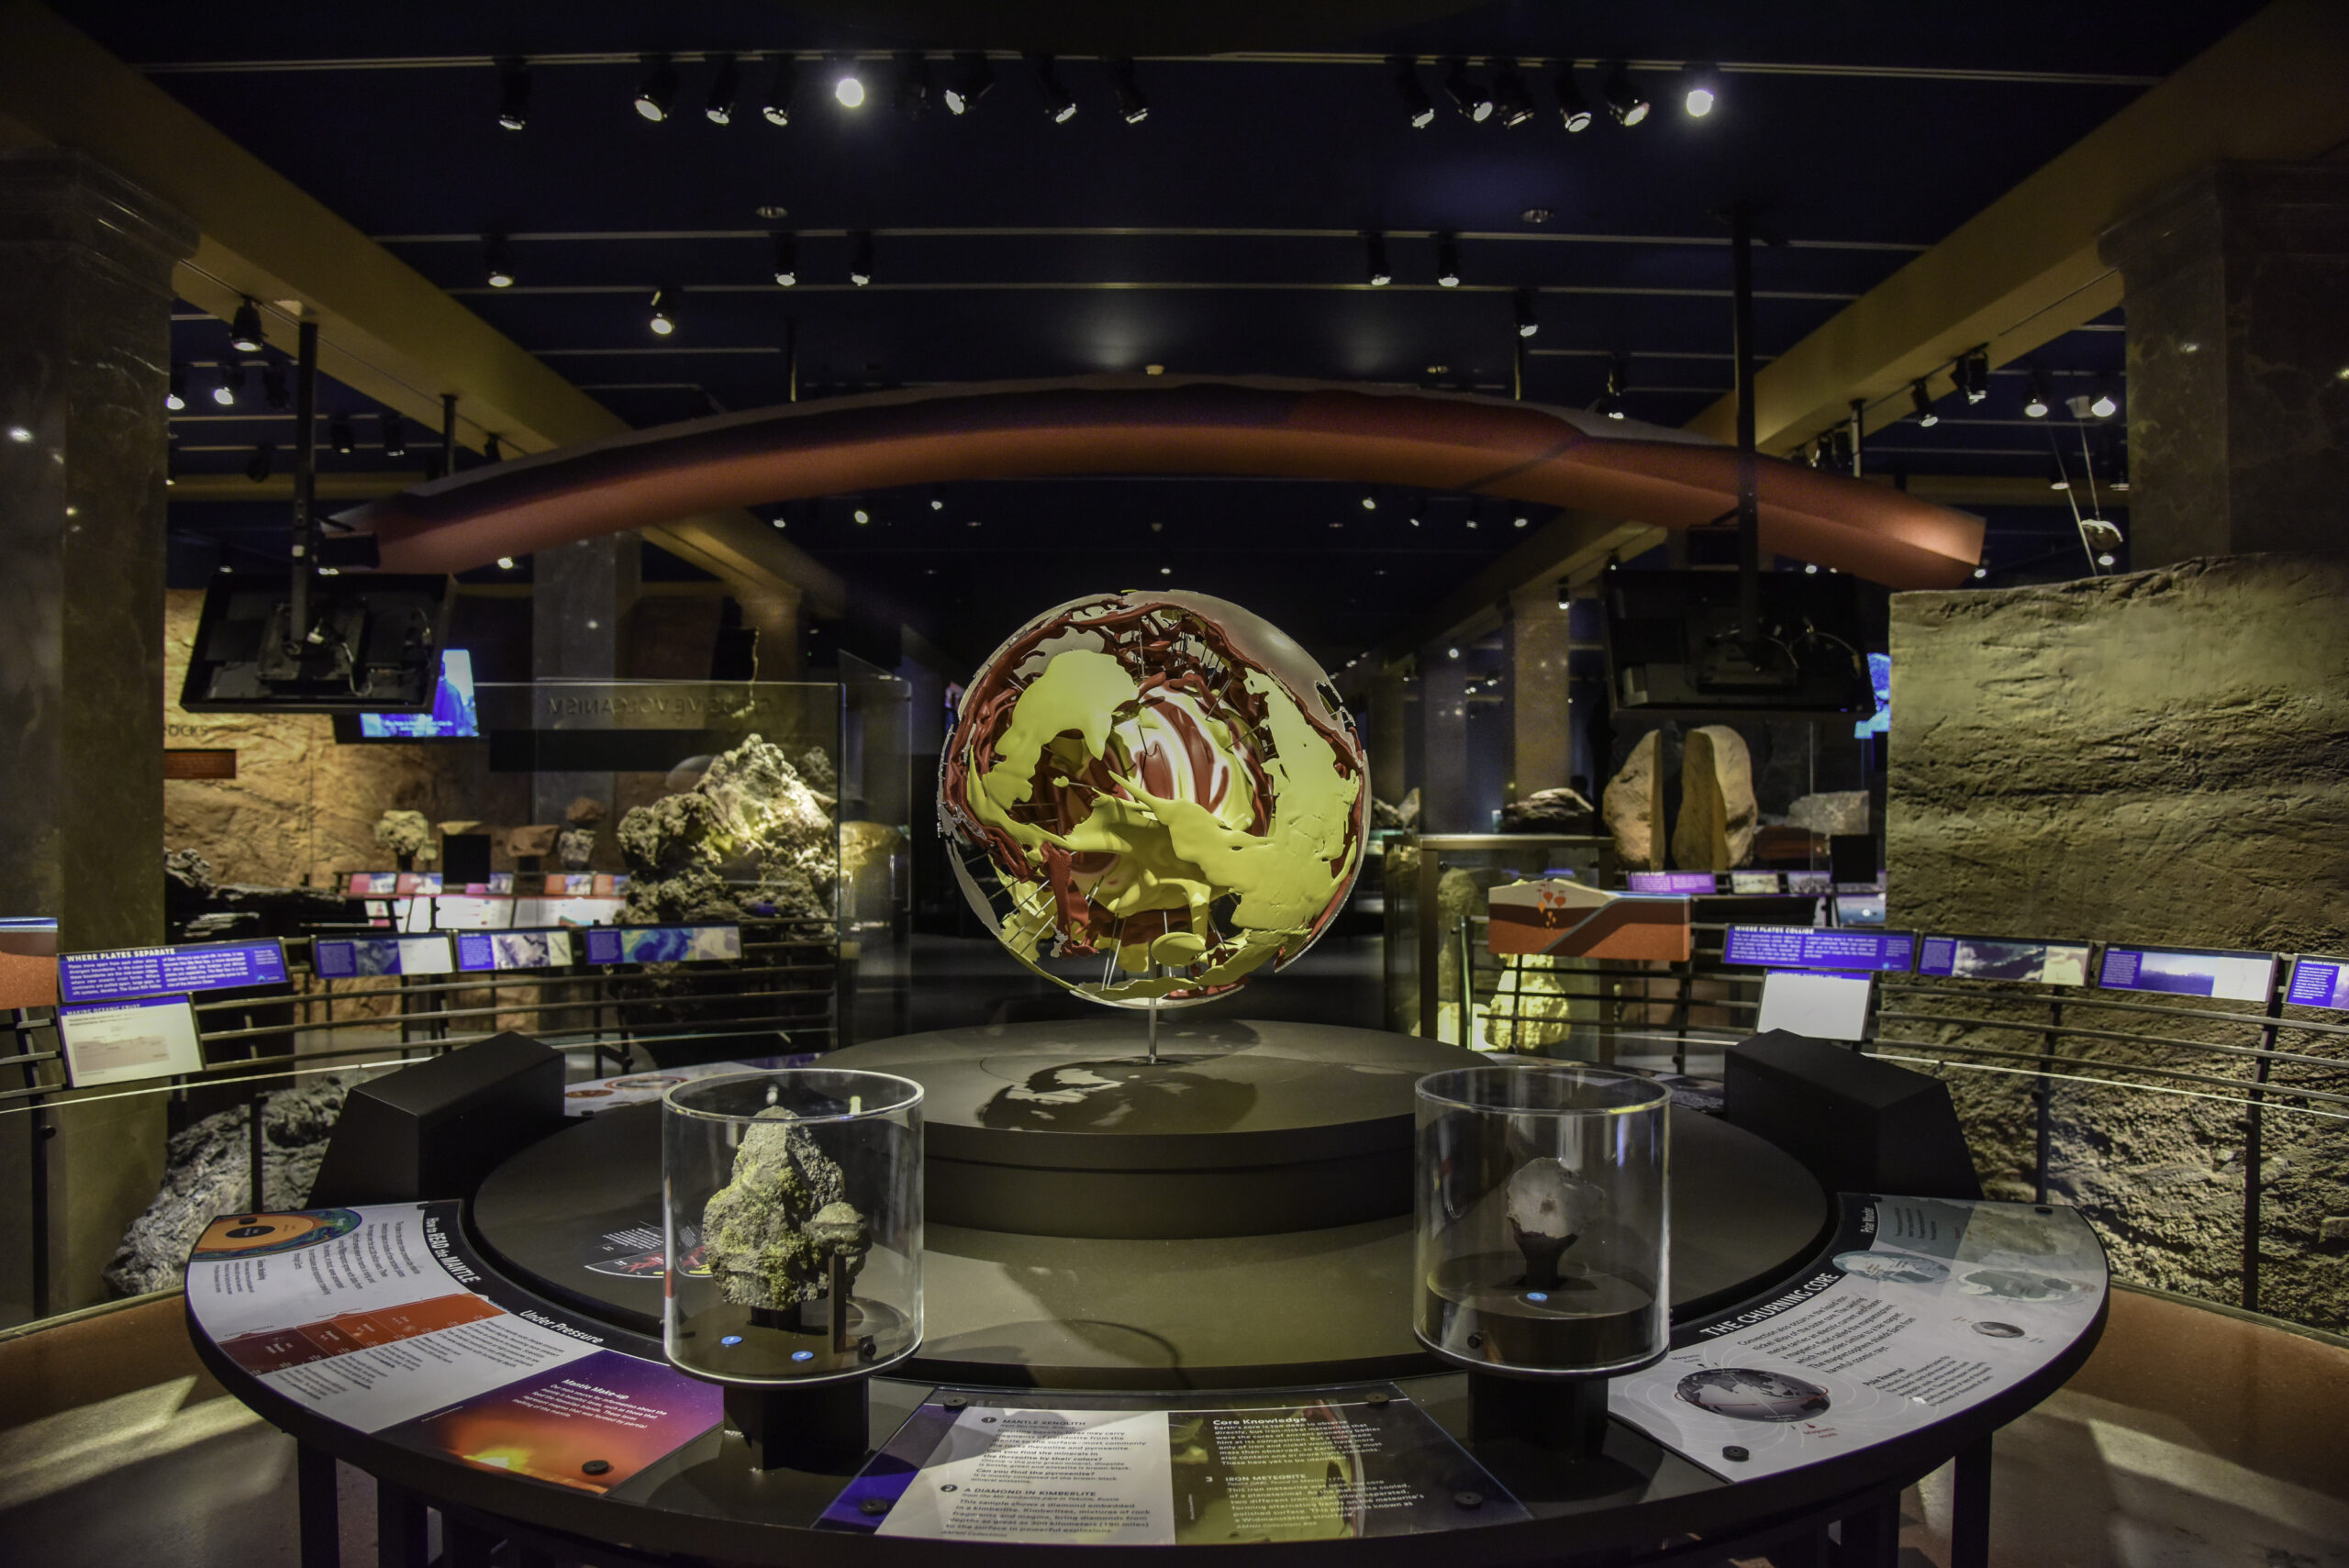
<point>1232,1307</point>
<point>1236,1129</point>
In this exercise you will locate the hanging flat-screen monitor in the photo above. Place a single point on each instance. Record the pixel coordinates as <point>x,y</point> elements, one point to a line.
<point>452,716</point>
<point>366,644</point>
<point>1676,642</point>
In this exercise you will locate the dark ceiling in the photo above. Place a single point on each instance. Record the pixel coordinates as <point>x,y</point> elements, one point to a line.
<point>1222,234</point>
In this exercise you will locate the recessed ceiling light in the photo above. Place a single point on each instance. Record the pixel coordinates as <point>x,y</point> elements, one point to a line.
<point>1703,90</point>
<point>1154,370</point>
<point>1535,215</point>
<point>862,515</point>
<point>505,564</point>
<point>848,87</point>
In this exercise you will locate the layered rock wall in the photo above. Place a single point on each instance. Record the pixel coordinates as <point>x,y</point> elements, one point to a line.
<point>2161,757</point>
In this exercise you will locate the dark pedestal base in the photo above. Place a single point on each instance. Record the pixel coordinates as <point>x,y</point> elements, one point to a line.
<point>1562,1416</point>
<point>817,1426</point>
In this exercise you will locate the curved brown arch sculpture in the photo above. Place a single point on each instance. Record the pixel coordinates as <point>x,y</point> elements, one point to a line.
<point>1169,425</point>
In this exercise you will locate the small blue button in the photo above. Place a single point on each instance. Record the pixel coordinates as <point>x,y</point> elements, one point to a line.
<point>1537,1296</point>
<point>731,1339</point>
<point>803,1356</point>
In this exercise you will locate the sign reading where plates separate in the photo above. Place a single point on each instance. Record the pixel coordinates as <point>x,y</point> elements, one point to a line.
<point>479,951</point>
<point>663,945</point>
<point>1811,947</point>
<point>155,972</point>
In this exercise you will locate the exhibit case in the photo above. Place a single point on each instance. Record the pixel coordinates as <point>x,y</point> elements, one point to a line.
<point>1542,1229</point>
<point>1437,887</point>
<point>792,1208</point>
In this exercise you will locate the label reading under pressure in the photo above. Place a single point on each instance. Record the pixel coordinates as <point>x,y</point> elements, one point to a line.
<point>1811,947</point>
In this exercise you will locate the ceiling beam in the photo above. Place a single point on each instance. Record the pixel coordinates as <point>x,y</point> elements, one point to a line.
<point>2025,269</point>
<point>384,330</point>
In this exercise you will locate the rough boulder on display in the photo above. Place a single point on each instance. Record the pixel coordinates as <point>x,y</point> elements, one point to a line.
<point>750,839</point>
<point>774,1233</point>
<point>404,833</point>
<point>1718,814</point>
<point>1633,803</point>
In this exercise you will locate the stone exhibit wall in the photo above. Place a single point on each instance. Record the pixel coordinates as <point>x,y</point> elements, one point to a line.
<point>2160,757</point>
<point>302,808</point>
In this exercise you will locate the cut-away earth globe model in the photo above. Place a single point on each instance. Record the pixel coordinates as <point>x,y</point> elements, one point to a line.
<point>1162,782</point>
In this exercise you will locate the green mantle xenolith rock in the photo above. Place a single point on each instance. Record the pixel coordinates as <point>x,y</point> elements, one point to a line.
<point>773,1231</point>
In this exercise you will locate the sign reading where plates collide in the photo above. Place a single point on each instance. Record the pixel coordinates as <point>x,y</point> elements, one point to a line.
<point>1812,947</point>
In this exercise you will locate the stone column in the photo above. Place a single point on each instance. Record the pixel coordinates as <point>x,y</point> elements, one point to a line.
<point>1443,741</point>
<point>774,614</point>
<point>583,600</point>
<point>2237,296</point>
<point>85,306</point>
<point>1542,738</point>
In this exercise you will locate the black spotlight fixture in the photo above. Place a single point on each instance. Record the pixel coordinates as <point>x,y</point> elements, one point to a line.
<point>1921,402</point>
<point>973,77</point>
<point>244,329</point>
<point>1059,103</point>
<point>656,95</point>
<point>273,387</point>
<point>1573,109</point>
<point>1974,374</point>
<point>1619,380</point>
<point>786,260</point>
<point>1470,99</point>
<point>912,95</point>
<point>1447,261</point>
<point>231,383</point>
<point>724,88</point>
<point>2106,402</point>
<point>1375,271</point>
<point>264,459</point>
<point>2117,471</point>
<point>1415,102</point>
<point>395,437</point>
<point>663,302</point>
<point>1702,92</point>
<point>2056,478</point>
<point>513,94</point>
<point>170,460</point>
<point>1132,108</point>
<point>783,87</point>
<point>1624,101</point>
<point>497,262</point>
<point>341,436</point>
<point>860,261</point>
<point>491,448</point>
<point>1512,104</point>
<point>1529,318</point>
<point>2035,404</point>
<point>176,395</point>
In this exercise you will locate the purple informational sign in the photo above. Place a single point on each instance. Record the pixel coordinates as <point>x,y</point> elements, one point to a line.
<point>2189,971</point>
<point>513,950</point>
<point>2320,983</point>
<point>2037,962</point>
<point>1811,947</point>
<point>1674,882</point>
<point>152,971</point>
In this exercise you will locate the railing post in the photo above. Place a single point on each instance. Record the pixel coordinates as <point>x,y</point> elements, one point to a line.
<point>1467,987</point>
<point>2252,1186</point>
<point>2045,1095</point>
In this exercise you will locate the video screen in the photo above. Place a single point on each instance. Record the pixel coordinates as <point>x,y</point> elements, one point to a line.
<point>452,717</point>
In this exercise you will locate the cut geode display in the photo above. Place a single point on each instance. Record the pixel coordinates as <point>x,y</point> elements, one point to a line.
<point>774,1231</point>
<point>1548,1210</point>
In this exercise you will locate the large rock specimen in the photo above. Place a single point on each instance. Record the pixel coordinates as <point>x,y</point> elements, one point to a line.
<point>207,1172</point>
<point>2156,756</point>
<point>1559,810</point>
<point>1634,804</point>
<point>1717,809</point>
<point>773,1231</point>
<point>752,838</point>
<point>406,833</point>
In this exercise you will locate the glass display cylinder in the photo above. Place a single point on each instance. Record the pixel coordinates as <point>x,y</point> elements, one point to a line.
<point>792,1205</point>
<point>1544,1236</point>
